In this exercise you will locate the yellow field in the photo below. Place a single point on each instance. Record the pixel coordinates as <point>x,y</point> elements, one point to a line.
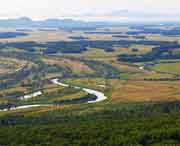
<point>58,35</point>
<point>143,91</point>
<point>12,90</point>
<point>134,91</point>
<point>70,96</point>
<point>40,36</point>
<point>173,68</point>
<point>99,53</point>
<point>10,65</point>
<point>162,38</point>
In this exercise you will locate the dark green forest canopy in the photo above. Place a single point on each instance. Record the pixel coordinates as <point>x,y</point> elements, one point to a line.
<point>142,125</point>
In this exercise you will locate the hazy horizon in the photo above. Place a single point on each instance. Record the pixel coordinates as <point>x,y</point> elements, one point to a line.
<point>92,10</point>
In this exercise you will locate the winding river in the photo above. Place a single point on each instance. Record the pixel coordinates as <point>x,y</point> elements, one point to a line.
<point>100,96</point>
<point>25,107</point>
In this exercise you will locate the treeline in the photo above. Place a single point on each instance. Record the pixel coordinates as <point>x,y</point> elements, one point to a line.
<point>5,35</point>
<point>147,30</point>
<point>102,32</point>
<point>37,72</point>
<point>102,69</point>
<point>78,46</point>
<point>78,38</point>
<point>128,36</point>
<point>165,51</point>
<point>42,69</point>
<point>80,100</point>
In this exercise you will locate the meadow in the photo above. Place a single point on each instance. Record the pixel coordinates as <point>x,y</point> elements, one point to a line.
<point>171,68</point>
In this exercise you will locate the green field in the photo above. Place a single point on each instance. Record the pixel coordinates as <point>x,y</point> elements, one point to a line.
<point>171,68</point>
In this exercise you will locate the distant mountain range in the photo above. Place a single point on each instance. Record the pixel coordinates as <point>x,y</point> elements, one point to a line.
<point>25,22</point>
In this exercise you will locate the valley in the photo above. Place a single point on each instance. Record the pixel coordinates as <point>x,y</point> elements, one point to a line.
<point>104,86</point>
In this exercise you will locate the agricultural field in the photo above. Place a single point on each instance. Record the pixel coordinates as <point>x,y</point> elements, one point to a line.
<point>171,68</point>
<point>9,65</point>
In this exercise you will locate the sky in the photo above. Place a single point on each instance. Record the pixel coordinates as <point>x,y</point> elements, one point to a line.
<point>90,9</point>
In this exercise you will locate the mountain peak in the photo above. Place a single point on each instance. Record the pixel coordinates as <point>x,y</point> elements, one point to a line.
<point>25,19</point>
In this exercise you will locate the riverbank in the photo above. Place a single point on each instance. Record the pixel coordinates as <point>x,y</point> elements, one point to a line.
<point>99,96</point>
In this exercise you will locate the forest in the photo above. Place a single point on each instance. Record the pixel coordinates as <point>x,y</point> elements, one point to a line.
<point>142,125</point>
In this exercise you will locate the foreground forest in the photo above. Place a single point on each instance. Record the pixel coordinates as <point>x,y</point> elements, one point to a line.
<point>138,125</point>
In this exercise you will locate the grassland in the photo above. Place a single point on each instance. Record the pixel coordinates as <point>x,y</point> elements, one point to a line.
<point>75,65</point>
<point>129,70</point>
<point>171,68</point>
<point>134,91</point>
<point>99,53</point>
<point>142,108</point>
<point>9,65</point>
